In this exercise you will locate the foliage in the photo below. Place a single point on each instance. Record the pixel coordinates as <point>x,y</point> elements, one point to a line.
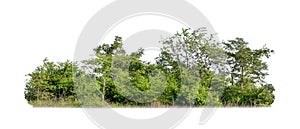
<point>247,74</point>
<point>248,96</point>
<point>51,81</point>
<point>193,69</point>
<point>195,60</point>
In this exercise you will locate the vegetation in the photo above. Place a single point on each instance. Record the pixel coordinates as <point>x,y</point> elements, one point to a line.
<point>192,70</point>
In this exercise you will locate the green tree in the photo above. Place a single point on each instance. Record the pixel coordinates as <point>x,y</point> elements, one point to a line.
<point>199,54</point>
<point>139,81</point>
<point>246,65</point>
<point>247,74</point>
<point>51,81</point>
<point>101,66</point>
<point>170,67</point>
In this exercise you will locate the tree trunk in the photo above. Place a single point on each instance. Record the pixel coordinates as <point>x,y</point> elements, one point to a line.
<point>173,100</point>
<point>103,89</point>
<point>242,77</point>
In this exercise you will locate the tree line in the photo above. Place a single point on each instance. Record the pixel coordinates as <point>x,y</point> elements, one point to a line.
<point>192,69</point>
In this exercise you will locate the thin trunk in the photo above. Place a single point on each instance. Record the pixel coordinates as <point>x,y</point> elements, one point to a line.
<point>231,79</point>
<point>103,89</point>
<point>38,94</point>
<point>187,59</point>
<point>242,77</point>
<point>173,103</point>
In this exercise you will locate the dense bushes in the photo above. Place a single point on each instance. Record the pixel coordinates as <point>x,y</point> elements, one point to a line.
<point>248,96</point>
<point>191,70</point>
<point>51,82</point>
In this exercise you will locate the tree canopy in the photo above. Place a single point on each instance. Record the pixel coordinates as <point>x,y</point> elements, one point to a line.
<point>192,69</point>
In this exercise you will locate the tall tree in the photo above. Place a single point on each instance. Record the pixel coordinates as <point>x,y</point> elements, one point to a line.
<point>198,56</point>
<point>246,65</point>
<point>170,67</point>
<point>247,74</point>
<point>101,66</point>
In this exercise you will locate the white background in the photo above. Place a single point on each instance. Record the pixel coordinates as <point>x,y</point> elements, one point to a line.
<point>31,30</point>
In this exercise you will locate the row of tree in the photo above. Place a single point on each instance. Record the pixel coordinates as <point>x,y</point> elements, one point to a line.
<point>192,70</point>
